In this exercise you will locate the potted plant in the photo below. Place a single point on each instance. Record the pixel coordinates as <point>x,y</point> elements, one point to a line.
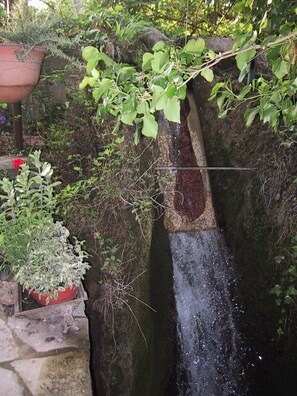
<point>35,247</point>
<point>25,39</point>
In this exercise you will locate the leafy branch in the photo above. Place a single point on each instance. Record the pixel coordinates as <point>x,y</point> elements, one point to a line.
<point>134,96</point>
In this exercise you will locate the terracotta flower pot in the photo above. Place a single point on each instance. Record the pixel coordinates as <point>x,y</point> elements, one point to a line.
<point>19,71</point>
<point>63,295</point>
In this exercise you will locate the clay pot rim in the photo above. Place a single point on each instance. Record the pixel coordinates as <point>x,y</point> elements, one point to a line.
<point>22,46</point>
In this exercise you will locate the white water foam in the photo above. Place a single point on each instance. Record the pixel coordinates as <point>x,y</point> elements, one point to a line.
<point>210,343</point>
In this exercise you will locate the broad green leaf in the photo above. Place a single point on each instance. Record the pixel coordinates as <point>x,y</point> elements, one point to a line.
<point>142,108</point>
<point>280,68</point>
<point>244,72</point>
<point>95,73</point>
<point>150,126</point>
<point>87,81</point>
<point>245,57</point>
<point>157,93</point>
<point>103,87</point>
<point>195,46</point>
<point>269,114</point>
<point>159,61</point>
<point>249,116</point>
<point>147,61</point>
<point>128,118</point>
<point>221,100</point>
<point>211,54</point>
<point>244,41</point>
<point>170,91</point>
<point>172,109</point>
<point>159,46</point>
<point>207,74</point>
<point>89,53</point>
<point>245,90</point>
<point>182,92</point>
<point>215,90</point>
<point>161,102</point>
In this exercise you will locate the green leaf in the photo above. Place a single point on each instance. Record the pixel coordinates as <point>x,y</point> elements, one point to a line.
<point>170,91</point>
<point>280,68</point>
<point>157,93</point>
<point>207,74</point>
<point>87,81</point>
<point>195,46</point>
<point>215,90</point>
<point>211,54</point>
<point>182,92</point>
<point>159,46</point>
<point>249,116</point>
<point>245,90</point>
<point>102,89</point>
<point>161,102</point>
<point>106,59</point>
<point>244,41</point>
<point>245,57</point>
<point>147,61</point>
<point>269,114</point>
<point>142,108</point>
<point>150,126</point>
<point>159,61</point>
<point>128,118</point>
<point>89,53</point>
<point>172,109</point>
<point>244,71</point>
<point>292,291</point>
<point>277,290</point>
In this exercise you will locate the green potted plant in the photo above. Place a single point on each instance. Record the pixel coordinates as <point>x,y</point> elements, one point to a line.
<point>25,39</point>
<point>35,247</point>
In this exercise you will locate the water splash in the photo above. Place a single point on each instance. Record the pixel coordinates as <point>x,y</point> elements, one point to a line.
<point>210,344</point>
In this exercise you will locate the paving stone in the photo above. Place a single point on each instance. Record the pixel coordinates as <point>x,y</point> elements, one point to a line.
<point>65,374</point>
<point>9,349</point>
<point>9,384</point>
<point>47,335</point>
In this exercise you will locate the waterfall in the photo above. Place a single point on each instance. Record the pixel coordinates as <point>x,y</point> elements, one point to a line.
<point>210,344</point>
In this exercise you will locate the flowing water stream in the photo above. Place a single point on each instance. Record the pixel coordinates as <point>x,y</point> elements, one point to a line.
<point>210,344</point>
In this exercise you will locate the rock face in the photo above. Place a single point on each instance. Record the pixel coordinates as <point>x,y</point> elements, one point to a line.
<point>256,211</point>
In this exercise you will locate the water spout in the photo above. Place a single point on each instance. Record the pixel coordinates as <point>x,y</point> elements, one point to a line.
<point>210,345</point>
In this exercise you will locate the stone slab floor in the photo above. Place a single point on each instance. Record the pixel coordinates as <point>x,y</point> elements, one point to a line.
<point>37,356</point>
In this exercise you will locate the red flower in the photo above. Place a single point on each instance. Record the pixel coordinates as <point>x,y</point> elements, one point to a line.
<point>17,162</point>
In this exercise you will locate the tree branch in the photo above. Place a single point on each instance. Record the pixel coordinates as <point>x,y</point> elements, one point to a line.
<point>230,54</point>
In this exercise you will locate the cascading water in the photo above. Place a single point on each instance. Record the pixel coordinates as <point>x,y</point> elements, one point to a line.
<point>210,344</point>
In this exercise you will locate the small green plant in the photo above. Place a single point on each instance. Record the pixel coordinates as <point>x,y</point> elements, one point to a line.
<point>35,248</point>
<point>285,292</point>
<point>115,182</point>
<point>53,263</point>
